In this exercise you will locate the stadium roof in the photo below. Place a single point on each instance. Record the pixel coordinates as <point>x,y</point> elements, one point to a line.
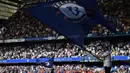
<point>9,7</point>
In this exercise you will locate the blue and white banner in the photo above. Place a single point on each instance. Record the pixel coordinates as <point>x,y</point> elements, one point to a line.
<point>76,59</point>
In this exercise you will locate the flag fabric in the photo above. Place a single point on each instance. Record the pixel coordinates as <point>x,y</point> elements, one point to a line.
<point>48,63</point>
<point>99,18</point>
<point>96,15</point>
<point>71,18</point>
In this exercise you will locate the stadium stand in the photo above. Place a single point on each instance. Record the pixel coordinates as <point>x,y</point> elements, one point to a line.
<point>22,25</point>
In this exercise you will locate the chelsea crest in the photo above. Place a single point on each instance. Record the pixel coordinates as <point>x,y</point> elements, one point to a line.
<point>70,11</point>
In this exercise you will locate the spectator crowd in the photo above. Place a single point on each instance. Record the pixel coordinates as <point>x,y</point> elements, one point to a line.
<point>39,51</point>
<point>58,50</point>
<point>65,68</point>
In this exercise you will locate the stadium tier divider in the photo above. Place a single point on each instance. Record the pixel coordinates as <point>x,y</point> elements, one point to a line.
<point>50,38</point>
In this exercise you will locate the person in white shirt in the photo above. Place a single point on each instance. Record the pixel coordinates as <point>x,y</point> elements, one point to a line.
<point>107,60</point>
<point>106,55</point>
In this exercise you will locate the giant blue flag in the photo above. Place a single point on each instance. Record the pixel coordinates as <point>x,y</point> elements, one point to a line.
<point>72,18</point>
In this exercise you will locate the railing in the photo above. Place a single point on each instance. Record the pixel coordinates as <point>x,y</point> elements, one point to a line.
<point>55,38</point>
